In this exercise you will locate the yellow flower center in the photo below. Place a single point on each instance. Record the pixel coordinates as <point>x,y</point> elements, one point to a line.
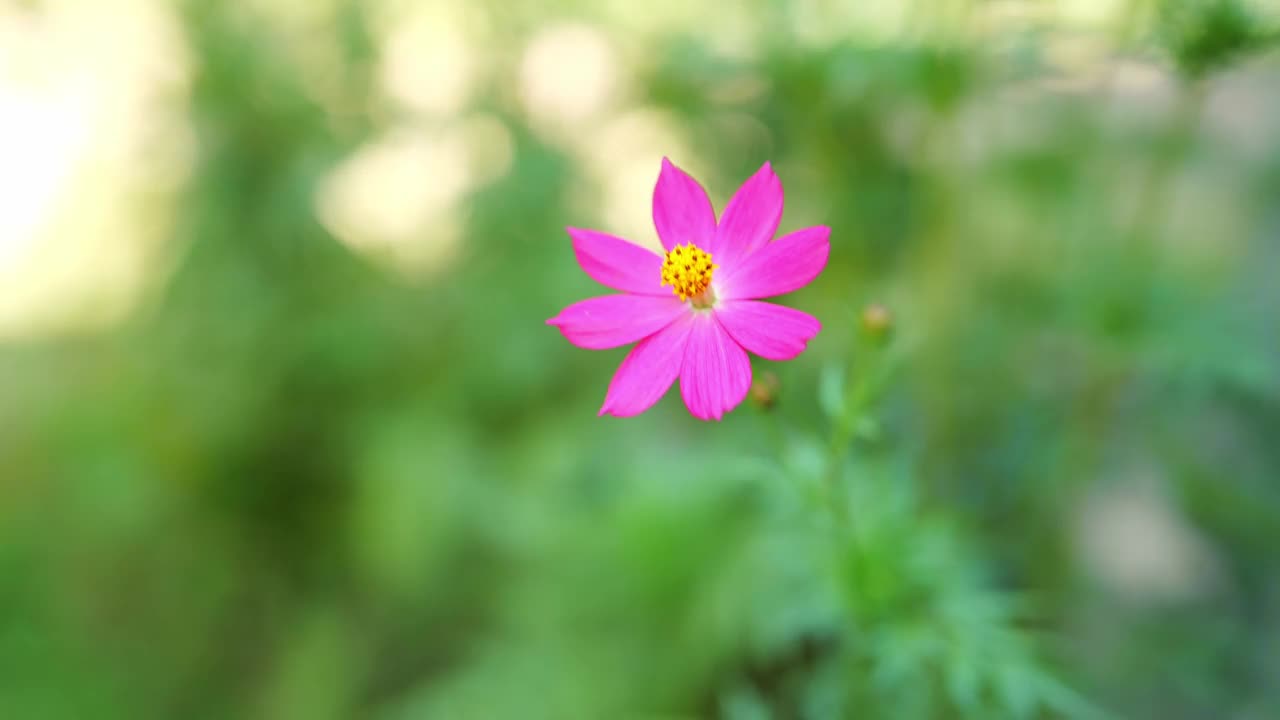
<point>687,269</point>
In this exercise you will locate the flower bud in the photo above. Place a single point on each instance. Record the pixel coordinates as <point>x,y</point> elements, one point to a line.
<point>876,323</point>
<point>764,391</point>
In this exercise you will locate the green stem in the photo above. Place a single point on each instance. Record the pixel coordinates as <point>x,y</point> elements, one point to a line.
<point>863,384</point>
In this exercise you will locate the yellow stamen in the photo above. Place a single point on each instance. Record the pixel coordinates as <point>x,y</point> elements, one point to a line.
<point>688,270</point>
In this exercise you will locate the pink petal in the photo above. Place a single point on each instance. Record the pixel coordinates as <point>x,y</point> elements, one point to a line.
<point>682,211</point>
<point>750,219</point>
<point>613,320</point>
<point>787,264</point>
<point>771,331</point>
<point>617,263</point>
<point>648,371</point>
<point>716,373</point>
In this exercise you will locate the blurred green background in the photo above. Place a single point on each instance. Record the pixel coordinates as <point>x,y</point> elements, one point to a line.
<point>283,434</point>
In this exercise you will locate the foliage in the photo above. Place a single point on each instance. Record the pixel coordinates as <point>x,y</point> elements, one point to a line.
<point>296,483</point>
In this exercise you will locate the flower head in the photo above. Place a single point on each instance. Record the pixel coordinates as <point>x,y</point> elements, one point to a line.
<point>694,313</point>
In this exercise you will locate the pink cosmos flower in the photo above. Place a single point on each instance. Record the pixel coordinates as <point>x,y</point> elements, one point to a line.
<point>695,310</point>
